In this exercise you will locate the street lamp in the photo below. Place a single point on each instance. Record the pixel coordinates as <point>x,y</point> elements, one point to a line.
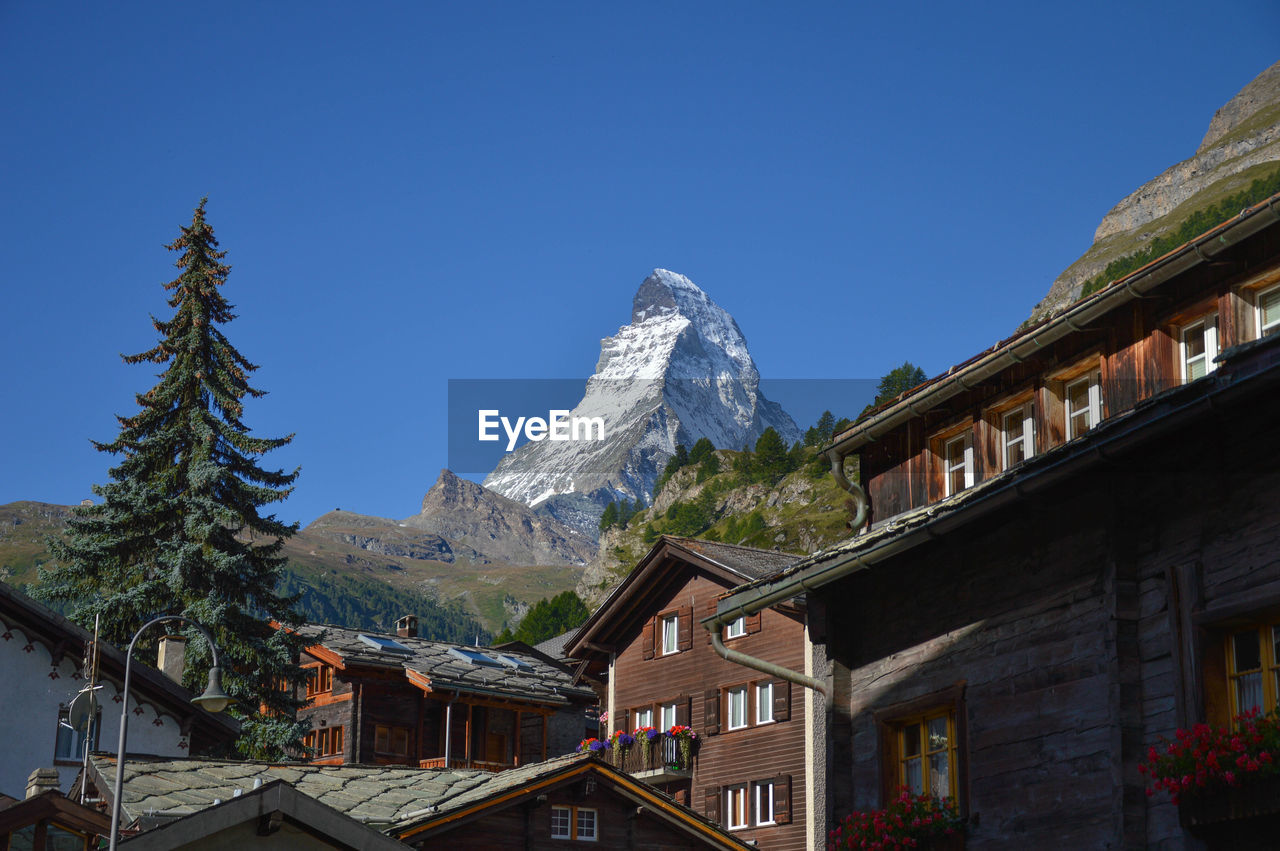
<point>214,699</point>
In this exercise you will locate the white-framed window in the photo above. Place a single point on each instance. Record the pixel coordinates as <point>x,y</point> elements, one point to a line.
<point>1198,346</point>
<point>574,823</point>
<point>561,823</point>
<point>670,634</point>
<point>736,628</point>
<point>764,703</point>
<point>957,453</point>
<point>1267,311</point>
<point>667,716</point>
<point>737,808</point>
<point>1082,401</point>
<point>644,718</point>
<point>1017,435</point>
<point>737,707</point>
<point>763,801</point>
<point>586,825</point>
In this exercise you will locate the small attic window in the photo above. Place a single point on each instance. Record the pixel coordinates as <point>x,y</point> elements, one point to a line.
<point>518,664</point>
<point>386,645</point>
<point>475,657</point>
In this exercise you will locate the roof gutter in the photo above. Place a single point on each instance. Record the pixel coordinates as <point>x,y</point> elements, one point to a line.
<point>1135,286</point>
<point>753,599</point>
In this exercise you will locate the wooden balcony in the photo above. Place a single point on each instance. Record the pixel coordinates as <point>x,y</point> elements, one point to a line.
<point>662,764</point>
<point>439,762</point>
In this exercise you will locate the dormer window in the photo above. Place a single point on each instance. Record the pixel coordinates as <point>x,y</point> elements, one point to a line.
<point>958,458</point>
<point>1198,346</point>
<point>1083,403</point>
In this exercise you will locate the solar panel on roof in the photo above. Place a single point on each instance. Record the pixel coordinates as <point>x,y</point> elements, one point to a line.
<point>386,645</point>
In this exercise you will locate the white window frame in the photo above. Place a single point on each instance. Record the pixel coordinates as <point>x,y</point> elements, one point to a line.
<point>1208,326</point>
<point>736,695</point>
<point>736,628</point>
<point>667,711</point>
<point>644,718</point>
<point>589,832</point>
<point>965,464</point>
<point>670,634</point>
<point>762,800</point>
<point>1027,440</point>
<point>737,808</point>
<point>1259,296</point>
<point>1092,411</point>
<point>564,829</point>
<point>764,703</point>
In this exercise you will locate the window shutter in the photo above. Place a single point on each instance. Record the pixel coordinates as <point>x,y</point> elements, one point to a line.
<point>646,639</point>
<point>711,610</point>
<point>782,799</point>
<point>781,700</point>
<point>685,627</point>
<point>711,712</point>
<point>683,709</point>
<point>622,721</point>
<point>753,623</point>
<point>711,794</point>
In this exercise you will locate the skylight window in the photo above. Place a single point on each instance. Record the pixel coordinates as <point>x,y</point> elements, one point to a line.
<point>385,645</point>
<point>518,664</point>
<point>475,657</point>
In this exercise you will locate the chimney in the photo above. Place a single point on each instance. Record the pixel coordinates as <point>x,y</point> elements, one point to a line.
<point>407,626</point>
<point>173,657</point>
<point>42,780</point>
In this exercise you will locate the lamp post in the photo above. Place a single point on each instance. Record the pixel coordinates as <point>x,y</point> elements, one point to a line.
<point>214,699</point>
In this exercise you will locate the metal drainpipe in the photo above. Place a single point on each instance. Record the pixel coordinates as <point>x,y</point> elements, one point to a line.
<point>448,731</point>
<point>716,624</point>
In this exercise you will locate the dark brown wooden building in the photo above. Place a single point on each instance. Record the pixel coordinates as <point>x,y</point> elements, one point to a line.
<point>404,700</point>
<point>749,770</point>
<point>1073,551</point>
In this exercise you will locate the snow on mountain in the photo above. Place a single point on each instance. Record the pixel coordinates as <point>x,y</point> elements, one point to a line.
<point>680,371</point>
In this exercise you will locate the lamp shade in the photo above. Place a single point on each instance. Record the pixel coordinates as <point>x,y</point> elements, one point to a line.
<point>214,698</point>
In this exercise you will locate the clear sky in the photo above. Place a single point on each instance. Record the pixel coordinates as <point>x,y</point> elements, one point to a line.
<point>413,192</point>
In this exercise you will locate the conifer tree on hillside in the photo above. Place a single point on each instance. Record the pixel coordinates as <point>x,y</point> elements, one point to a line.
<point>178,528</point>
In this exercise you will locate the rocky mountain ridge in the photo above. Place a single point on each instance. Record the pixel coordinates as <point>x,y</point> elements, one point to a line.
<point>1241,144</point>
<point>678,372</point>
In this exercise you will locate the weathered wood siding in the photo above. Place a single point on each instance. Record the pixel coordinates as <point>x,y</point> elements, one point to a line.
<point>729,757</point>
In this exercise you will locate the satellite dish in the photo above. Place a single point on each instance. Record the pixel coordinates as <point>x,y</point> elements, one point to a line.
<point>84,709</point>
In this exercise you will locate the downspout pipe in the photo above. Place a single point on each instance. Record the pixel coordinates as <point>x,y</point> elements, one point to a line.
<point>861,503</point>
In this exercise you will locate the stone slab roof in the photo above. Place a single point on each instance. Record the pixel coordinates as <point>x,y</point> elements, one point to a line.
<point>747,561</point>
<point>378,795</point>
<point>532,679</point>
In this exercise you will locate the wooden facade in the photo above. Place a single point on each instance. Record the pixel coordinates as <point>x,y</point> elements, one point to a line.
<point>416,710</point>
<point>748,745</point>
<point>1048,621</point>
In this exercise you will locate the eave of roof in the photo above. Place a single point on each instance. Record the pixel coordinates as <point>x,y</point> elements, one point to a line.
<point>1148,420</point>
<point>1029,341</point>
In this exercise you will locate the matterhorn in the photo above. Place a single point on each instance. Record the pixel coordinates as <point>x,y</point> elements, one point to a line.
<point>679,372</point>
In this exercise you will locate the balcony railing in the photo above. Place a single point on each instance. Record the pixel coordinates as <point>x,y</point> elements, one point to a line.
<point>661,762</point>
<point>440,762</point>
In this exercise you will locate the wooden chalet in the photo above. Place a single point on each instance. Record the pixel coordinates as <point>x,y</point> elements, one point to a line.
<point>405,700</point>
<point>1072,552</point>
<point>748,769</point>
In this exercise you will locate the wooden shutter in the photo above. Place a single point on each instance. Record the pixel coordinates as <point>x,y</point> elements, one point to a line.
<point>711,796</point>
<point>711,712</point>
<point>683,709</point>
<point>781,700</point>
<point>620,723</point>
<point>684,622</point>
<point>753,623</point>
<point>646,639</point>
<point>782,799</point>
<point>711,610</point>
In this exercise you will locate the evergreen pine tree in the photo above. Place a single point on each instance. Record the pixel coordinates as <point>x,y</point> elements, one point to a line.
<point>771,462</point>
<point>178,529</point>
<point>610,516</point>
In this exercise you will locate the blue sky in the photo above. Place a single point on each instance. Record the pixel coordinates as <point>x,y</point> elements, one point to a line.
<point>415,192</point>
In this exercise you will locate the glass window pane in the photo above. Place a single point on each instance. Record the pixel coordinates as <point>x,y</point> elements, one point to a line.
<point>1248,692</point>
<point>939,775</point>
<point>1248,651</point>
<point>1269,308</point>
<point>911,740</point>
<point>937,732</point>
<point>586,824</point>
<point>911,776</point>
<point>1196,368</point>
<point>1193,339</point>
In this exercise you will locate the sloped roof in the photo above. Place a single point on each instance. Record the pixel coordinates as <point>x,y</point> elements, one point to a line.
<point>750,562</point>
<point>172,788</point>
<point>554,646</point>
<point>446,667</point>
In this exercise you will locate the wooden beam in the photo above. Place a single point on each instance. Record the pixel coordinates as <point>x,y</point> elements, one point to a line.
<point>515,752</point>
